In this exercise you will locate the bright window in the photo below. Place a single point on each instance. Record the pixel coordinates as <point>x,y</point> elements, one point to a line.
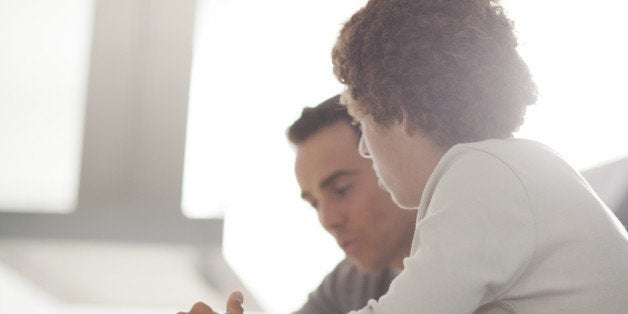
<point>577,54</point>
<point>43,77</point>
<point>256,65</point>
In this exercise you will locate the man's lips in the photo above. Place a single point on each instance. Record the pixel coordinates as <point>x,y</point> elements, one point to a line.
<point>349,246</point>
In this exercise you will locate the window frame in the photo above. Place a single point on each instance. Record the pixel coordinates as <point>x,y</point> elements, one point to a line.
<point>134,133</point>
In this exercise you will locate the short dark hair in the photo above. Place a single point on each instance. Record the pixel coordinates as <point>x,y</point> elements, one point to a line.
<point>313,119</point>
<point>450,65</point>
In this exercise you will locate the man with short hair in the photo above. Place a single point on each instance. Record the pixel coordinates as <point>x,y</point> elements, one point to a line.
<point>374,233</point>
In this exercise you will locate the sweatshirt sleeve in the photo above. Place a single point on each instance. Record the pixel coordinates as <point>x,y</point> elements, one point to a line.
<point>475,239</point>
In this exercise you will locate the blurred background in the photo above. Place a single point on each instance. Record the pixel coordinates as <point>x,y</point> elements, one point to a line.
<point>143,158</point>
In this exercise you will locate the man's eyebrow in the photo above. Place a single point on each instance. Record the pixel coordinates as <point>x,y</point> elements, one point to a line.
<point>335,176</point>
<point>330,179</point>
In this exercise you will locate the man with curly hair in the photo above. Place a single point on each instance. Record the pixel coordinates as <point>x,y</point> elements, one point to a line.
<point>504,225</point>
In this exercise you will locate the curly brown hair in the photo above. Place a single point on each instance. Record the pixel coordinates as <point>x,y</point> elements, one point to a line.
<point>451,65</point>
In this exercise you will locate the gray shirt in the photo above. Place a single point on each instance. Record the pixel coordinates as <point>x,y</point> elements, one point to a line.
<point>346,289</point>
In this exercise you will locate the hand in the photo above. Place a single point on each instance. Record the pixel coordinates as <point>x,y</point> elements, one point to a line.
<point>234,306</point>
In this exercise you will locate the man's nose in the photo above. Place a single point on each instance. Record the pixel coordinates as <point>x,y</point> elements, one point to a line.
<point>331,216</point>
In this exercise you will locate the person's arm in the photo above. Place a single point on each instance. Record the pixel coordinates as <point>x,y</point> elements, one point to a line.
<point>476,239</point>
<point>342,290</point>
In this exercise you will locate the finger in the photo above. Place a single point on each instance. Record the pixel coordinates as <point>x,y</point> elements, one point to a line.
<point>201,308</point>
<point>234,304</point>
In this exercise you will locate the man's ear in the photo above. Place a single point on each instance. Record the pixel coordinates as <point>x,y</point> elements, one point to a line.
<point>406,125</point>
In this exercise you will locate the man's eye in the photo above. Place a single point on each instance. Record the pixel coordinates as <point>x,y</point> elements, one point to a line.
<point>343,190</point>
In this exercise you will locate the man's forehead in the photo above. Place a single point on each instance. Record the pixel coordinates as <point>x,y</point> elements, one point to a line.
<point>334,146</point>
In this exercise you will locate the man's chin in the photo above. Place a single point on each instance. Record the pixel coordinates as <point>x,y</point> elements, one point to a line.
<point>366,267</point>
<point>381,185</point>
<point>405,204</point>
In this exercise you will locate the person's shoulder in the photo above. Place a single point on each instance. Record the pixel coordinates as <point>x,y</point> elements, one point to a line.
<point>470,156</point>
<point>519,155</point>
<point>345,270</point>
<point>479,166</point>
<point>503,149</point>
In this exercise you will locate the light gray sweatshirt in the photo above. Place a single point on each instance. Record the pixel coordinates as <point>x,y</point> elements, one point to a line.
<point>506,226</point>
